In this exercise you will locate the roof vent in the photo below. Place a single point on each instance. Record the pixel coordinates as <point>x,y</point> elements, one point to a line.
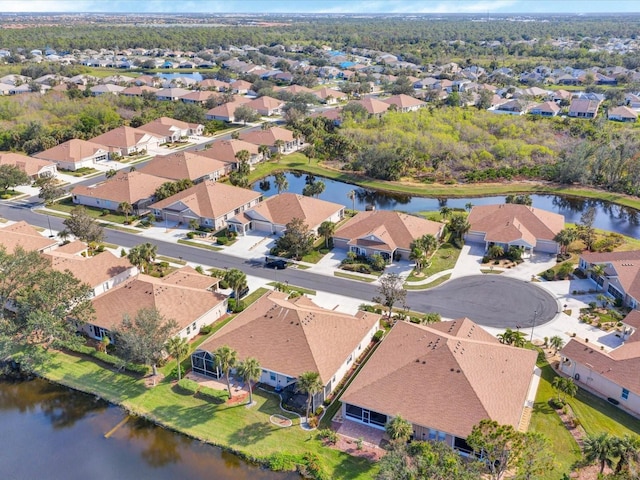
<point>417,360</point>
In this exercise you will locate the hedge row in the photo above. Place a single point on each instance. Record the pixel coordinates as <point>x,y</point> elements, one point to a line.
<point>110,359</point>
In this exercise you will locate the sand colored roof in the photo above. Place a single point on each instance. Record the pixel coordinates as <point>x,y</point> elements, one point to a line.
<point>625,265</point>
<point>213,83</point>
<point>325,93</point>
<point>123,137</point>
<point>181,165</point>
<point>508,222</point>
<point>623,112</point>
<point>550,107</point>
<point>123,187</point>
<point>138,90</point>
<point>281,209</point>
<point>199,96</point>
<point>29,165</point>
<point>75,247</point>
<point>74,150</point>
<point>180,303</point>
<point>209,199</point>
<point>268,136</point>
<point>92,270</point>
<point>294,336</point>
<point>583,105</point>
<point>21,234</point>
<point>295,89</point>
<point>172,92</point>
<point>241,85</point>
<point>226,150</point>
<point>621,365</point>
<point>444,376</point>
<point>163,126</point>
<point>387,229</point>
<point>373,106</point>
<point>404,101</point>
<point>633,319</point>
<point>189,277</point>
<point>265,102</point>
<point>228,110</point>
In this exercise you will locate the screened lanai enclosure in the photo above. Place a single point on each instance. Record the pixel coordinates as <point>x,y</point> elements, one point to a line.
<point>203,362</point>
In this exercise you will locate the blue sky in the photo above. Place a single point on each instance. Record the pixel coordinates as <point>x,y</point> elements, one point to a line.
<point>324,6</point>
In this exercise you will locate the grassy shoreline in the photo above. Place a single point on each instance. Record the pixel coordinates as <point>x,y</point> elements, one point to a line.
<point>299,162</point>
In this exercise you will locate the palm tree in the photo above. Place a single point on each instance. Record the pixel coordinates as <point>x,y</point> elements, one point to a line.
<point>458,226</point>
<point>495,251</point>
<point>250,371</point>
<point>399,429</point>
<point>599,448</point>
<point>352,197</point>
<point>427,242</point>
<point>468,206</point>
<point>556,342</point>
<point>417,255</point>
<point>243,156</point>
<point>627,449</point>
<point>143,255</point>
<point>565,237</point>
<point>178,347</point>
<point>279,144</point>
<point>281,182</point>
<point>327,229</point>
<point>264,151</point>
<point>445,212</point>
<point>126,209</point>
<point>237,280</point>
<point>309,383</point>
<point>596,271</point>
<point>226,358</point>
<point>512,337</point>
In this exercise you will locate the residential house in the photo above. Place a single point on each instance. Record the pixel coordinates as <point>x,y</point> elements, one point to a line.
<point>136,188</point>
<point>584,108</point>
<point>384,232</point>
<point>443,378</point>
<point>612,375</point>
<point>240,87</point>
<point>21,234</point>
<point>186,164</point>
<point>510,224</point>
<point>210,203</point>
<point>74,154</point>
<point>405,103</point>
<point>171,94</point>
<point>278,139</point>
<point>290,337</point>
<point>375,108</point>
<point>101,272</point>
<point>215,85</point>
<point>226,112</point>
<point>34,167</point>
<point>199,97</point>
<point>621,277</point>
<point>276,212</point>
<point>512,107</point>
<point>108,88</point>
<point>545,109</point>
<point>171,130</point>
<point>128,140</point>
<point>622,114</point>
<point>632,100</point>
<point>266,106</point>
<point>138,90</point>
<point>561,97</point>
<point>227,150</point>
<point>330,96</point>
<point>184,296</point>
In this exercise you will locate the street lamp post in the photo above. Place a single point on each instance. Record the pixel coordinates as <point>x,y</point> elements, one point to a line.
<point>49,223</point>
<point>535,314</point>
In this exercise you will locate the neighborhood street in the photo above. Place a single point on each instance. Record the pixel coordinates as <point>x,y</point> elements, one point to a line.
<point>488,300</point>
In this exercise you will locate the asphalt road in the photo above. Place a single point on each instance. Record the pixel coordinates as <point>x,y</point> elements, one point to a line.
<point>488,300</point>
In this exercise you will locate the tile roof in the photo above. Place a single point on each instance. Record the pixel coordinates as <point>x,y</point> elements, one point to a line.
<point>74,150</point>
<point>281,209</point>
<point>164,126</point>
<point>92,270</point>
<point>294,336</point>
<point>325,93</point>
<point>21,234</point>
<point>390,229</point>
<point>226,150</point>
<point>123,187</point>
<point>181,165</point>
<point>445,376</point>
<point>227,110</point>
<point>584,105</point>
<point>210,199</point>
<point>373,106</point>
<point>623,112</point>
<point>268,136</point>
<point>508,222</point>
<point>123,137</point>
<point>265,102</point>
<point>184,304</point>
<point>404,101</point>
<point>30,165</point>
<point>626,266</point>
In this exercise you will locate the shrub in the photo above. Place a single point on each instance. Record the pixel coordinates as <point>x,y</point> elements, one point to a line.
<point>206,329</point>
<point>328,436</point>
<point>190,235</point>
<point>378,335</point>
<point>222,240</point>
<point>593,305</point>
<point>618,302</point>
<point>555,403</point>
<point>104,212</point>
<point>5,196</point>
<point>549,275</point>
<point>281,462</point>
<point>174,371</point>
<point>216,396</point>
<point>188,386</point>
<point>312,468</point>
<point>312,421</point>
<point>319,410</point>
<point>123,253</point>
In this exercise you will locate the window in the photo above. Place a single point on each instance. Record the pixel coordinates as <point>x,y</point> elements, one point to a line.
<point>272,376</point>
<point>625,394</point>
<point>432,434</point>
<point>441,436</point>
<point>188,330</point>
<point>350,359</point>
<point>194,325</point>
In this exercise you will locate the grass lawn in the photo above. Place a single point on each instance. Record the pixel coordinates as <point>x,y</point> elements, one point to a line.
<point>353,277</point>
<point>444,258</point>
<point>80,172</point>
<point>306,291</point>
<point>199,245</point>
<point>8,194</point>
<point>245,430</point>
<point>162,258</point>
<point>66,205</point>
<point>425,286</point>
<point>313,256</point>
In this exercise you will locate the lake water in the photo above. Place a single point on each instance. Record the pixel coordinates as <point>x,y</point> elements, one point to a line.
<point>51,432</point>
<point>609,216</point>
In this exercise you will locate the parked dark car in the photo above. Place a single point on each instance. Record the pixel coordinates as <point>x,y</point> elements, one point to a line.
<point>276,264</point>
<point>243,292</point>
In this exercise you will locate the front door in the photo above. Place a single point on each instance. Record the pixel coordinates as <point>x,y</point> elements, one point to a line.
<point>365,416</point>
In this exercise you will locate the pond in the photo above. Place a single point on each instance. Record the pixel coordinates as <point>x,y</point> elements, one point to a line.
<point>609,216</point>
<point>50,431</point>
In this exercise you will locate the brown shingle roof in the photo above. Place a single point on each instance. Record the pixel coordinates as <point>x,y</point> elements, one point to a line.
<point>164,126</point>
<point>29,165</point>
<point>373,106</point>
<point>404,101</point>
<point>210,199</point>
<point>393,229</point>
<point>181,165</point>
<point>73,150</point>
<point>509,222</point>
<point>180,303</point>
<point>123,187</point>
<point>93,270</point>
<point>226,150</point>
<point>123,137</point>
<point>626,266</point>
<point>281,209</point>
<point>294,336</point>
<point>21,234</point>
<point>268,136</point>
<point>445,380</point>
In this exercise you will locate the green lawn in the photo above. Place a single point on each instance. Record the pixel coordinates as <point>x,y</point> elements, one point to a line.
<point>80,172</point>
<point>444,258</point>
<point>306,291</point>
<point>435,283</point>
<point>66,205</point>
<point>245,430</point>
<point>199,245</point>
<point>353,277</point>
